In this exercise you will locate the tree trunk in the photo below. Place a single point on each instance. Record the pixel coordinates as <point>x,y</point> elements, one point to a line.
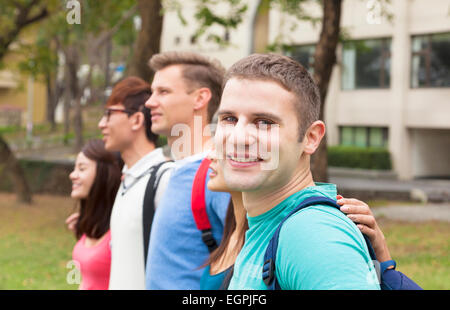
<point>67,100</point>
<point>22,18</point>
<point>148,39</point>
<point>16,172</point>
<point>52,100</point>
<point>74,93</point>
<point>324,60</point>
<point>107,71</point>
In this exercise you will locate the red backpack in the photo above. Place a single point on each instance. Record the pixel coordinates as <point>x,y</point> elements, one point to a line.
<point>198,205</point>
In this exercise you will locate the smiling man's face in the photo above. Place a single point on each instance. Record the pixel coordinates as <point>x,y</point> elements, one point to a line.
<point>257,115</point>
<point>171,102</point>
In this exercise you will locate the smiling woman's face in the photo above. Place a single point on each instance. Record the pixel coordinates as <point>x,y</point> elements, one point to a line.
<point>216,181</point>
<point>82,176</point>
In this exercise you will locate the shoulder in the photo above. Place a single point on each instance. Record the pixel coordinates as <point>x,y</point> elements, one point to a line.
<point>318,216</point>
<point>187,166</point>
<point>320,247</point>
<point>318,225</point>
<point>165,168</point>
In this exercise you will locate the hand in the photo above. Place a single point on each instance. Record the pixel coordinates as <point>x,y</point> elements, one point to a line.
<point>360,213</point>
<point>72,221</point>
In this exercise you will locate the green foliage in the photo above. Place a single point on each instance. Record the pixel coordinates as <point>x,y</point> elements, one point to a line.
<point>359,157</point>
<point>207,18</point>
<point>9,129</point>
<point>40,57</point>
<point>162,140</point>
<point>55,33</point>
<point>42,176</point>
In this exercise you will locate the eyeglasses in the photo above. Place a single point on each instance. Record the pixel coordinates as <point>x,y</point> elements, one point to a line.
<point>108,112</point>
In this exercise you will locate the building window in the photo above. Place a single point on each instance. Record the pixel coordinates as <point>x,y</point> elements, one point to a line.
<point>304,54</point>
<point>430,60</point>
<point>366,64</point>
<point>363,136</point>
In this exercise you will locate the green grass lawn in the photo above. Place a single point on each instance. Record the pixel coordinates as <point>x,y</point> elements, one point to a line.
<point>421,251</point>
<point>35,246</point>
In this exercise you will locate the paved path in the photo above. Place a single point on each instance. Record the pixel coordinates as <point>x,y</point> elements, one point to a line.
<point>415,213</point>
<point>433,190</point>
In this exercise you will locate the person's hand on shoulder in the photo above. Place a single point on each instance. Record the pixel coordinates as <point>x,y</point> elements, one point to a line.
<point>360,213</point>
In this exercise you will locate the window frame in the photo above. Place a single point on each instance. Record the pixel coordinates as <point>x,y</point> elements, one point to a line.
<point>426,52</point>
<point>367,129</point>
<point>386,53</point>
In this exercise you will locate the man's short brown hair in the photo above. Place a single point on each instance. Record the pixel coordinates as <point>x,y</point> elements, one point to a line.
<point>197,70</point>
<point>132,92</point>
<point>290,75</point>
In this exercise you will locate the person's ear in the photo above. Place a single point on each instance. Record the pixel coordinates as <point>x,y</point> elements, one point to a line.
<point>313,136</point>
<point>202,97</point>
<point>137,120</point>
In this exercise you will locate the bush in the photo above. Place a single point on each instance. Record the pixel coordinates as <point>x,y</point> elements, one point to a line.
<point>358,157</point>
<point>42,177</point>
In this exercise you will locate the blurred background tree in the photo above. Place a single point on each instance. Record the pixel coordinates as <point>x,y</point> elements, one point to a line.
<point>14,17</point>
<point>149,38</point>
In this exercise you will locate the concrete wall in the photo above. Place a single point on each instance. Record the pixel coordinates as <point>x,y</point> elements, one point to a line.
<point>430,152</point>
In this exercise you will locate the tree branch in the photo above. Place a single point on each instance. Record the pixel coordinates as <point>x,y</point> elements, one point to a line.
<point>41,15</point>
<point>117,26</point>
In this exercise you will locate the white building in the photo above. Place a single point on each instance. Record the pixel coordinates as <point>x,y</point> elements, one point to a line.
<point>390,87</point>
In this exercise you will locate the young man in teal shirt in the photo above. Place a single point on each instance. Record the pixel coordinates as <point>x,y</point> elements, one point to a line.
<point>267,130</point>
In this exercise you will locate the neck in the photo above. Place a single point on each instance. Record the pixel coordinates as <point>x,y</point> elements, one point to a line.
<point>259,202</point>
<point>193,139</point>
<point>136,151</point>
<point>239,210</point>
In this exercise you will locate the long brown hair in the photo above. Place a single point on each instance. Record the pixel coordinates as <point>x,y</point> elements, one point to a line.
<point>229,228</point>
<point>95,210</point>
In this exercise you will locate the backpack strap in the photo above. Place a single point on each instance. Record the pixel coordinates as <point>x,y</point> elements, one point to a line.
<point>227,279</point>
<point>268,272</point>
<point>198,205</point>
<point>148,208</point>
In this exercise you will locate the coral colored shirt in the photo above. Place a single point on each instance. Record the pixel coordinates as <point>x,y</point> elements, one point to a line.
<point>94,262</point>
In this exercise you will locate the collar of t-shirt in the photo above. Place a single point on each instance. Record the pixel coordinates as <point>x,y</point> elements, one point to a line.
<point>199,156</point>
<point>328,190</point>
<point>142,166</point>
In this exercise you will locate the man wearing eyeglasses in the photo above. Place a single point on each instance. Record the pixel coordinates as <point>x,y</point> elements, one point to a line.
<point>126,128</point>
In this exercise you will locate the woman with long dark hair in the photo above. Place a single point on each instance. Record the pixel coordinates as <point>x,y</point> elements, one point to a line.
<point>95,181</point>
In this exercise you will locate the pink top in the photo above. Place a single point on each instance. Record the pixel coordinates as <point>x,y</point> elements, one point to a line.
<point>94,262</point>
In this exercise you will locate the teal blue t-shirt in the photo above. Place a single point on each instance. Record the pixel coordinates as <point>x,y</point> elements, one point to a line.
<point>213,282</point>
<point>319,248</point>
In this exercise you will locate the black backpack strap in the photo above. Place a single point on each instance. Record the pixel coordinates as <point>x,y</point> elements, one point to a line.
<point>268,272</point>
<point>227,279</point>
<point>148,208</point>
